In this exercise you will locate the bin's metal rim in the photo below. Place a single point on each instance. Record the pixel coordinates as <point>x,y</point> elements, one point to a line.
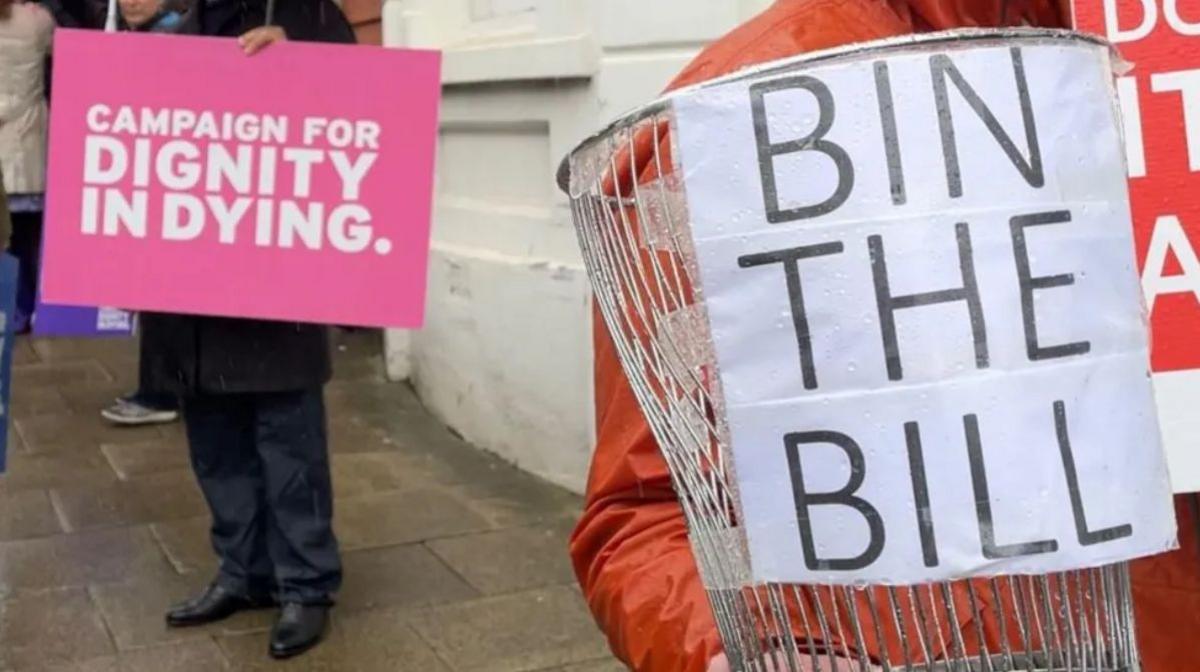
<point>960,35</point>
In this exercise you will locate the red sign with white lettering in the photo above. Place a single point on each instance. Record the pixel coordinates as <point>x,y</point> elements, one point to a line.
<point>1160,101</point>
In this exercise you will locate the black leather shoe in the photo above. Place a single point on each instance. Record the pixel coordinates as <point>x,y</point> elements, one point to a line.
<point>300,627</point>
<point>215,604</point>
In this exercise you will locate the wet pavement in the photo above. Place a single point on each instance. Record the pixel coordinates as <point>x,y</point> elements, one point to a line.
<point>454,560</point>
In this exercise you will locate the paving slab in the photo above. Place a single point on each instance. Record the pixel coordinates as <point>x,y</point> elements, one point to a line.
<point>27,514</point>
<point>510,560</point>
<point>153,456</point>
<point>404,517</point>
<point>30,402</point>
<point>50,627</point>
<point>186,544</point>
<point>359,474</point>
<point>62,374</point>
<point>399,576</point>
<point>82,469</point>
<point>58,432</point>
<point>605,665</point>
<point>141,499</point>
<point>521,632</point>
<point>193,656</point>
<point>81,559</point>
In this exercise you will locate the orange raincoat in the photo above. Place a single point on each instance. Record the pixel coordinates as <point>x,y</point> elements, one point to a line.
<point>630,549</point>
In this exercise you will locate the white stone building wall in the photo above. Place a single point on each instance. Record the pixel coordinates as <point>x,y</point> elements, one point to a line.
<point>506,353</point>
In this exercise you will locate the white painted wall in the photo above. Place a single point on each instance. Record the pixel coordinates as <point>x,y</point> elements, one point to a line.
<point>505,355</point>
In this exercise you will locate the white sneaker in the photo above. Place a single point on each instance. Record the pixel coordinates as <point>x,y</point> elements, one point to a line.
<point>131,414</point>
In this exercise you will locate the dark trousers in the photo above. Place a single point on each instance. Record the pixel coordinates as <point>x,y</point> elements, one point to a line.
<point>263,463</point>
<point>159,401</point>
<point>26,246</point>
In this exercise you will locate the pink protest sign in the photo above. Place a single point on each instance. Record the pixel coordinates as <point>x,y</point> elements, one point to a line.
<point>293,185</point>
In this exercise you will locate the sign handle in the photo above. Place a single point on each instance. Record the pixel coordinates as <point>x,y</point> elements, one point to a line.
<point>270,12</point>
<point>110,21</point>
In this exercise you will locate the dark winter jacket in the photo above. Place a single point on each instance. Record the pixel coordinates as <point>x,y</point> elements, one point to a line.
<point>76,13</point>
<point>302,20</point>
<point>187,355</point>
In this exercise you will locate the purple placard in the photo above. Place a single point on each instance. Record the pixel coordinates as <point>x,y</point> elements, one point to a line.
<point>70,321</point>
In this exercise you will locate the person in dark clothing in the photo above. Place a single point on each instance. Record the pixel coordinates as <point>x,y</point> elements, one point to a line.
<point>254,410</point>
<point>143,407</point>
<point>297,20</point>
<point>75,13</point>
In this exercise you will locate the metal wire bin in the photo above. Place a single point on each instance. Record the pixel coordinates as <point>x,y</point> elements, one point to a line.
<point>628,204</point>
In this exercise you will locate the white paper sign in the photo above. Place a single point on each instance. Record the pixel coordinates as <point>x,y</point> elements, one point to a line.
<point>919,272</point>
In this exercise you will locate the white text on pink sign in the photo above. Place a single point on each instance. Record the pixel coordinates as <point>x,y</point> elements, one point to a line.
<point>185,175</point>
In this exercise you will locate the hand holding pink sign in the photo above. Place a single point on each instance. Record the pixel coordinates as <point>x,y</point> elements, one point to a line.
<point>248,192</point>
